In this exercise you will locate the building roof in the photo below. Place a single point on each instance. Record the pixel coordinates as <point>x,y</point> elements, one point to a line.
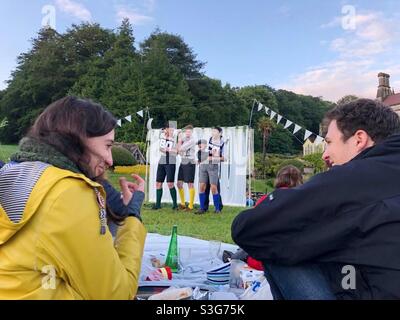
<point>392,100</point>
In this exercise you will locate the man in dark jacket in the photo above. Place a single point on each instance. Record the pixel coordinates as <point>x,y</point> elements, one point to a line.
<point>338,235</point>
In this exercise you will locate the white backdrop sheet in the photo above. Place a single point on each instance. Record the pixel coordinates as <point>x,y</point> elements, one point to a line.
<point>238,151</point>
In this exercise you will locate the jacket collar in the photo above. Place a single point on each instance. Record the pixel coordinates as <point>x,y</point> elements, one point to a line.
<point>34,150</point>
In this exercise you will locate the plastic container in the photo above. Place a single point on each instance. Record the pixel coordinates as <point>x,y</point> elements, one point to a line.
<point>235,281</point>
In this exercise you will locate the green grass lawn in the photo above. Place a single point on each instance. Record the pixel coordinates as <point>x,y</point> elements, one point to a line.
<point>208,226</point>
<point>6,151</point>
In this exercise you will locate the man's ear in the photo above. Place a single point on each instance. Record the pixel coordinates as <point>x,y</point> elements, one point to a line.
<point>363,140</point>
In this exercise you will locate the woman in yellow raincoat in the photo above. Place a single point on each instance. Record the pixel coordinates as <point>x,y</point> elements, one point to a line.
<point>54,239</point>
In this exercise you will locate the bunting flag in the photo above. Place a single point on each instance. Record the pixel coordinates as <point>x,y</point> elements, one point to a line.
<point>296,128</point>
<point>288,124</point>
<point>318,140</point>
<point>119,123</point>
<point>128,118</point>
<point>307,135</point>
<point>149,123</point>
<point>140,113</point>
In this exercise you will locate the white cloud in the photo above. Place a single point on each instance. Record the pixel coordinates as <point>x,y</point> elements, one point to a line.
<point>75,9</point>
<point>134,16</point>
<point>373,34</point>
<point>360,55</point>
<point>336,79</point>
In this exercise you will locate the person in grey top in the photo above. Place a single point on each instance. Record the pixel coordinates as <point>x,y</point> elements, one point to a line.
<point>209,157</point>
<point>187,168</point>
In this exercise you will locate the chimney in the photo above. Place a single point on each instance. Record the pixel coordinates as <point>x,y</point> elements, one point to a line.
<point>384,86</point>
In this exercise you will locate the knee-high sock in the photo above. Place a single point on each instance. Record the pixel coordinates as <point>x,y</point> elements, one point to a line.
<point>202,197</point>
<point>217,202</point>
<point>159,196</point>
<point>172,191</point>
<point>182,196</point>
<point>192,193</point>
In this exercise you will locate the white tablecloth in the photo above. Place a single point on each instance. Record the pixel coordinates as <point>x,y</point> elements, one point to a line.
<point>157,245</point>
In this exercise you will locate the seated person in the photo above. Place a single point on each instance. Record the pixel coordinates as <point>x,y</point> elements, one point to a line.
<point>287,177</point>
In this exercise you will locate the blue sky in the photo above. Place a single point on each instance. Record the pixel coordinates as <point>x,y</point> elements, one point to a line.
<point>327,49</point>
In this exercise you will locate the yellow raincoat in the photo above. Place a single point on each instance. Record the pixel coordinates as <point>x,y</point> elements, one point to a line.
<point>56,250</point>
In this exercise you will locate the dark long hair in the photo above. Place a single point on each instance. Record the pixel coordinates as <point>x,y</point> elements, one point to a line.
<point>66,123</point>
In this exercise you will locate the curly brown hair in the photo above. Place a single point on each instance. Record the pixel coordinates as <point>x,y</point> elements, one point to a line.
<point>376,119</point>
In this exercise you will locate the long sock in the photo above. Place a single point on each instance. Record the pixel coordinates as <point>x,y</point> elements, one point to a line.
<point>192,193</point>
<point>182,196</point>
<point>202,197</point>
<point>172,191</point>
<point>159,196</point>
<point>217,202</point>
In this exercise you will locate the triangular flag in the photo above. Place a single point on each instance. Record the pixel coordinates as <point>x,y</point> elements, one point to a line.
<point>318,140</point>
<point>266,110</point>
<point>273,114</point>
<point>296,128</point>
<point>119,123</point>
<point>288,124</point>
<point>149,123</point>
<point>128,118</point>
<point>260,106</point>
<point>279,118</point>
<point>307,135</point>
<point>140,113</point>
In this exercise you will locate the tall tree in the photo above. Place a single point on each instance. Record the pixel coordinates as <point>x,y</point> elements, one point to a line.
<point>164,87</point>
<point>39,78</point>
<point>266,126</point>
<point>178,52</point>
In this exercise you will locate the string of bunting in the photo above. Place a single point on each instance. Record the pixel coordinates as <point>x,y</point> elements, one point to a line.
<point>268,111</point>
<point>272,114</point>
<point>141,114</point>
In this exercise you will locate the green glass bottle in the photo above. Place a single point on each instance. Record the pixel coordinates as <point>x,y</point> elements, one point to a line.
<point>172,255</point>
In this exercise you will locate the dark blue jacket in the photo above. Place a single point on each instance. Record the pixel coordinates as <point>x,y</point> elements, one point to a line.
<point>115,203</point>
<point>349,215</point>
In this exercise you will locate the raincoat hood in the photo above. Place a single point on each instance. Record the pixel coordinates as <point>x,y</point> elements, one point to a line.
<point>23,186</point>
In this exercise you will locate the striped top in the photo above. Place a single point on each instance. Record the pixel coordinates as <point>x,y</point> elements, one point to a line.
<point>17,181</point>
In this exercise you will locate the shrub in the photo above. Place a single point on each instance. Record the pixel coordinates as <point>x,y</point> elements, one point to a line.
<point>291,162</point>
<point>269,167</point>
<point>122,157</point>
<point>316,162</point>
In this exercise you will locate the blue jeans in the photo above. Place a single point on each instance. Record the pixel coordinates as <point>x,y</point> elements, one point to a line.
<point>302,282</point>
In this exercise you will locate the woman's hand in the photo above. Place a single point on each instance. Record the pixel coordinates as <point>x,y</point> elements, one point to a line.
<point>128,188</point>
